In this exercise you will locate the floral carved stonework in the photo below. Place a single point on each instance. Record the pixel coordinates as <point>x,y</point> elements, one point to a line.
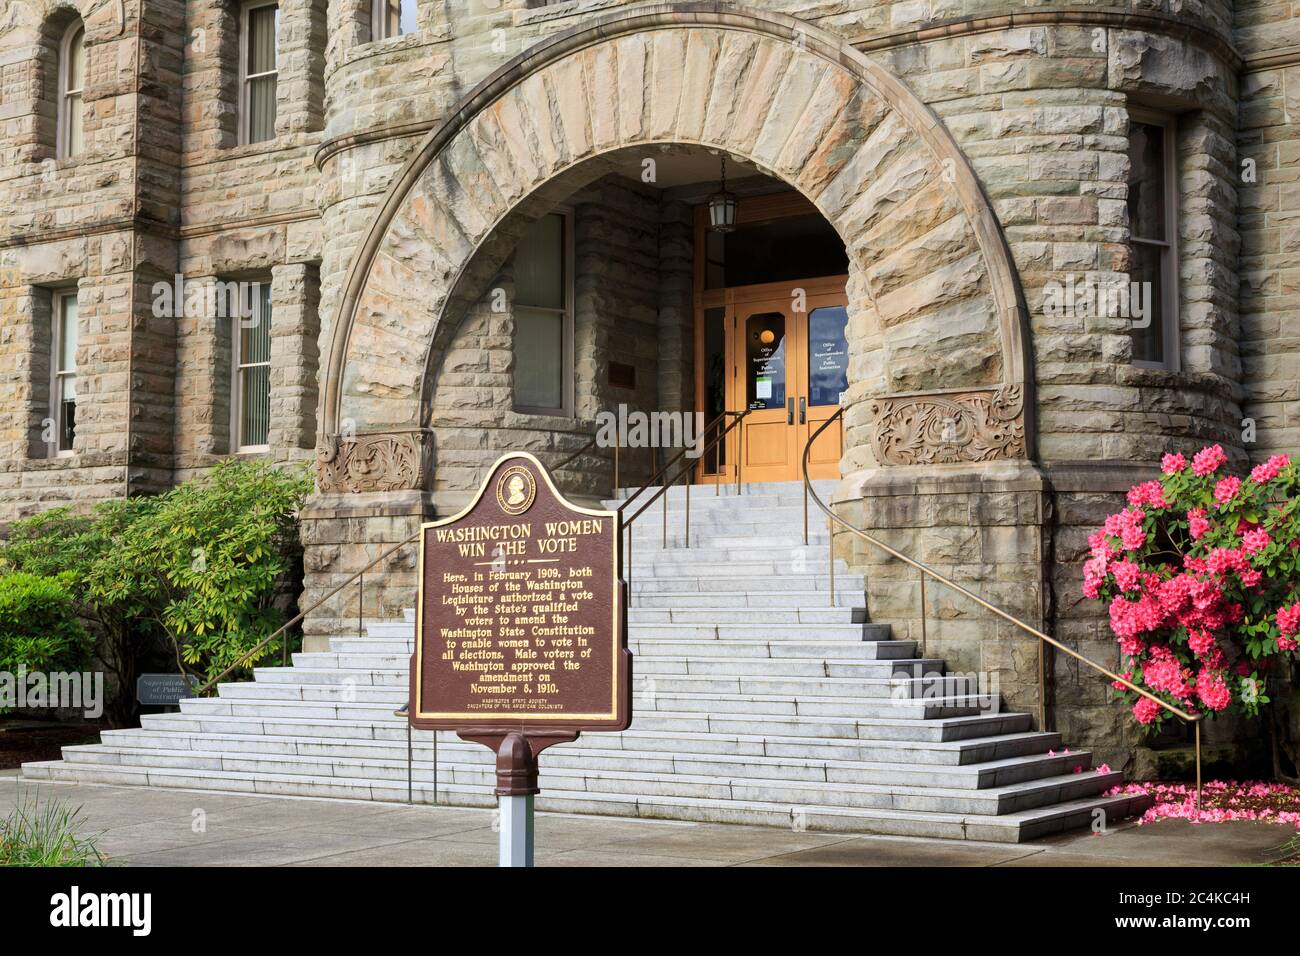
<point>975,426</point>
<point>379,462</point>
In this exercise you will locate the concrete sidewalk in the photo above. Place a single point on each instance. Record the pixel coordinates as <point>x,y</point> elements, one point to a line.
<point>147,827</point>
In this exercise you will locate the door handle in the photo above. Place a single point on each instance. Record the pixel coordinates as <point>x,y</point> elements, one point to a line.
<point>803,410</point>
<point>789,411</point>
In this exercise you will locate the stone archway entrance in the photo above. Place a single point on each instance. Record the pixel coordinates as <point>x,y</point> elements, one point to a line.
<point>934,317</point>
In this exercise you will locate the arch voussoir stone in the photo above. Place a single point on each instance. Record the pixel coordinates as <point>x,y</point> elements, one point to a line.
<point>934,304</point>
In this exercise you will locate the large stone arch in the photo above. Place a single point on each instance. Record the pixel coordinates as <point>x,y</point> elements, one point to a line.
<point>939,359</point>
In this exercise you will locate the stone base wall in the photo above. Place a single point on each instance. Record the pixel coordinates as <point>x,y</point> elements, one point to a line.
<point>981,526</point>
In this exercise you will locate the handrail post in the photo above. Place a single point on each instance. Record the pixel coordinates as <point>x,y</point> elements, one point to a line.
<point>617,443</point>
<point>667,494</point>
<point>1042,687</point>
<point>924,614</point>
<point>805,515</point>
<point>361,603</point>
<point>830,548</point>
<point>687,542</point>
<point>1198,766</point>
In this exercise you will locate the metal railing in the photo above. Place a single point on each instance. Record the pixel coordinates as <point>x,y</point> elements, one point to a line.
<point>925,571</point>
<point>660,480</point>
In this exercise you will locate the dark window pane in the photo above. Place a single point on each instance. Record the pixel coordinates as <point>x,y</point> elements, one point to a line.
<point>539,264</point>
<point>765,360</point>
<point>804,247</point>
<point>828,355</point>
<point>715,383</point>
<point>539,358</point>
<point>1146,181</point>
<point>1148,330</point>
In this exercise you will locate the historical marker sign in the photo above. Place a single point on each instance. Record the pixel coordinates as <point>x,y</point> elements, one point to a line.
<point>520,626</point>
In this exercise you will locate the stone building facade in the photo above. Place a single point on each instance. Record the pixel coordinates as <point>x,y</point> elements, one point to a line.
<point>973,156</point>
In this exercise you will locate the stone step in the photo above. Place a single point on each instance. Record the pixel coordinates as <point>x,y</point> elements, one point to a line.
<point>809,579</point>
<point>641,614</point>
<point>846,659</point>
<point>790,705</point>
<point>885,649</point>
<point>1009,827</point>
<point>317,740</point>
<point>745,778</point>
<point>765,598</point>
<point>305,682</point>
<point>794,730</point>
<point>750,632</point>
<point>701,630</point>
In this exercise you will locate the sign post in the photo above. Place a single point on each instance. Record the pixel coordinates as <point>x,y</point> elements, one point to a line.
<point>521,631</point>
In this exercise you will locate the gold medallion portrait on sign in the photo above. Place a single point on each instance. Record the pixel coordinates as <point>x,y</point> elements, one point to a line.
<point>516,489</point>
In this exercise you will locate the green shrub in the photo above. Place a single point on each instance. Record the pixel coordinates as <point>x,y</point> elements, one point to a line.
<point>197,572</point>
<point>205,562</point>
<point>39,627</point>
<point>36,835</point>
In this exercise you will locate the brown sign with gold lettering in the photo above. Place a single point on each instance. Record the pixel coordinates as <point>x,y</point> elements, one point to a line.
<point>521,622</point>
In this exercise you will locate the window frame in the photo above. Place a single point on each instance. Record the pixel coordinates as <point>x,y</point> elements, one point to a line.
<point>58,299</point>
<point>379,23</point>
<point>63,115</point>
<point>1170,331</point>
<point>567,386</point>
<point>246,78</point>
<point>237,366</point>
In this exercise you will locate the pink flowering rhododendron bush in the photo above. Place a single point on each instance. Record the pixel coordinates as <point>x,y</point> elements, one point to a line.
<point>1200,577</point>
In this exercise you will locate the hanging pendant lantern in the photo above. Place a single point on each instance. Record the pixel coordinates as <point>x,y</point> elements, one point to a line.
<point>722,206</point>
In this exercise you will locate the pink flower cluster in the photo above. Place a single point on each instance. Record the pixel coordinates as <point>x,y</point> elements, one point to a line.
<point>1209,460</point>
<point>1263,474</point>
<point>1178,594</point>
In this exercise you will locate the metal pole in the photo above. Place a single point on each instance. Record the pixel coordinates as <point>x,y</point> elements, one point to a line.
<point>435,768</point>
<point>1198,766</point>
<point>1042,687</point>
<point>667,493</point>
<point>410,755</point>
<point>616,444</point>
<point>923,615</point>
<point>688,514</point>
<point>361,602</point>
<point>805,514</point>
<point>830,530</point>
<point>516,847</point>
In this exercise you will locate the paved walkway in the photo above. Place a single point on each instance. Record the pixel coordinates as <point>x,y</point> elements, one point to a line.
<point>139,826</point>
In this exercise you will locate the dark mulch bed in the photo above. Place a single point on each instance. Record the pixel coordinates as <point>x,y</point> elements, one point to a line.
<point>24,741</point>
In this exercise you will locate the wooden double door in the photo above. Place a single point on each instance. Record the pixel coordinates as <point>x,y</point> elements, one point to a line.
<point>783,355</point>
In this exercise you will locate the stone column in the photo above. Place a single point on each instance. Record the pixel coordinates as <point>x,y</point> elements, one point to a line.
<point>676,307</point>
<point>203,356</point>
<point>300,89</point>
<point>295,352</point>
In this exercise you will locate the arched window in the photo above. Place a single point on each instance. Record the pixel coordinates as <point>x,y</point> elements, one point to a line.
<point>392,18</point>
<point>72,78</point>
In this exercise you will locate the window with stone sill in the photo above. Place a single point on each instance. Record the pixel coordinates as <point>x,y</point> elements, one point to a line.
<point>259,32</point>
<point>61,426</point>
<point>72,80</point>
<point>543,314</point>
<point>1153,232</point>
<point>392,18</point>
<point>250,365</point>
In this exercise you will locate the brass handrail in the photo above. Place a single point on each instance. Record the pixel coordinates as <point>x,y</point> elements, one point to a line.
<point>590,444</point>
<point>924,569</point>
<point>654,479</point>
<point>244,657</point>
<point>625,555</point>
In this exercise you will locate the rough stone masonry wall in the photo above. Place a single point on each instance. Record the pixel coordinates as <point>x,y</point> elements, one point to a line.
<point>1042,112</point>
<point>1270,223</point>
<point>99,222</point>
